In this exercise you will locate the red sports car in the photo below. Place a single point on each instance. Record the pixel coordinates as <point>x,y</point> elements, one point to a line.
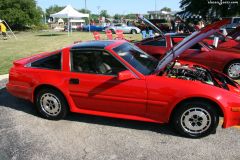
<point>117,79</point>
<point>225,58</point>
<point>223,41</point>
<point>229,41</point>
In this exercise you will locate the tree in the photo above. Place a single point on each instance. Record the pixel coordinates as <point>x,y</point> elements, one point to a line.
<point>117,16</point>
<point>20,13</point>
<point>205,9</point>
<point>53,9</point>
<point>94,17</point>
<point>104,13</point>
<point>166,9</point>
<point>85,11</point>
<point>130,16</point>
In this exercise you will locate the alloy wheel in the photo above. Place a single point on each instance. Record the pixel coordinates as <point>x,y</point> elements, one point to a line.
<point>234,70</point>
<point>196,120</point>
<point>50,104</point>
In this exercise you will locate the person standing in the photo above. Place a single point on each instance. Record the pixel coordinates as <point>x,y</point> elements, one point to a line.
<point>200,25</point>
<point>3,29</point>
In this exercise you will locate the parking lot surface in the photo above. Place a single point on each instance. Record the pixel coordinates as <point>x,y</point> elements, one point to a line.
<point>24,135</point>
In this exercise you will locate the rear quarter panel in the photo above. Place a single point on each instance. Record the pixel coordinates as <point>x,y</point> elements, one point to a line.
<point>24,80</point>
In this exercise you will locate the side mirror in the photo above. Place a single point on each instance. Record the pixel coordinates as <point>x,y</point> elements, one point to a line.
<point>203,49</point>
<point>125,75</point>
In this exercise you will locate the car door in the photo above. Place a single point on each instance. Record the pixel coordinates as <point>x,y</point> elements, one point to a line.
<point>124,28</point>
<point>118,27</point>
<point>94,85</point>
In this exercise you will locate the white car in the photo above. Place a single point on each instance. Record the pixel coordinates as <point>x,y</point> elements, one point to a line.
<point>124,28</point>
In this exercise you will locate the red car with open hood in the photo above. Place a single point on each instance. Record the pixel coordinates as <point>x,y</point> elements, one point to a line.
<point>117,79</point>
<point>225,58</point>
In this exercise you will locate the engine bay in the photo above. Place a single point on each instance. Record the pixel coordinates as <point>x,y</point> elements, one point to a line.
<point>189,72</point>
<point>195,72</point>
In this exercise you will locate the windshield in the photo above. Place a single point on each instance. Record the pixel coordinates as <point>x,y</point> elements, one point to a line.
<point>137,58</point>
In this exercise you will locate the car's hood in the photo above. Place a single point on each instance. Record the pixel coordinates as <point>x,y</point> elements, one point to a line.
<point>235,33</point>
<point>232,50</point>
<point>155,28</point>
<point>188,42</point>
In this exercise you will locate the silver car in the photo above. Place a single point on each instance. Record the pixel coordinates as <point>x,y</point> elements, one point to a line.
<point>124,28</point>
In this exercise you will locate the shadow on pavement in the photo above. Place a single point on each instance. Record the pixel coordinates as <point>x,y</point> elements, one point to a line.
<point>50,35</point>
<point>9,101</point>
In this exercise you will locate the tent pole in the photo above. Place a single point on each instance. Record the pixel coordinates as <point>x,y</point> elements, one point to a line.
<point>71,27</point>
<point>68,27</point>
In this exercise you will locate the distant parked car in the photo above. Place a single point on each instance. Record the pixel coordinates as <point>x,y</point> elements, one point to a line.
<point>225,58</point>
<point>124,28</point>
<point>93,28</point>
<point>234,23</point>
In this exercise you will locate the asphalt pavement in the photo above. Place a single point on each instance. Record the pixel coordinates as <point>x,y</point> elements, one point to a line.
<point>26,136</point>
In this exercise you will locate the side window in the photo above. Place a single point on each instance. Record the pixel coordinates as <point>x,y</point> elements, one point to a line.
<point>160,43</point>
<point>50,62</point>
<point>96,62</point>
<point>236,20</point>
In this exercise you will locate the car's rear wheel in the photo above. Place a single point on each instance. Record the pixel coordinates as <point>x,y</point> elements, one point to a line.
<point>51,104</point>
<point>233,70</point>
<point>133,31</point>
<point>195,119</point>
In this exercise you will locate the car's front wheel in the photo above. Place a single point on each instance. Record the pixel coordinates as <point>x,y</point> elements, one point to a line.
<point>51,104</point>
<point>195,119</point>
<point>233,70</point>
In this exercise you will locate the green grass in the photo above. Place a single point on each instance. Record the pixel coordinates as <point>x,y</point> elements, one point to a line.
<point>29,43</point>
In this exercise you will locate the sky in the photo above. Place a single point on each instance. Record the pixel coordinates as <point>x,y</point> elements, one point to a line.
<point>115,6</point>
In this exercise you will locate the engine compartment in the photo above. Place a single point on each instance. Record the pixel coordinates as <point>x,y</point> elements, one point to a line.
<point>189,72</point>
<point>196,72</point>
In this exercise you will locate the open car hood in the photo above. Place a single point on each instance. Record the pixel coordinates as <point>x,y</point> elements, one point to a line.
<point>235,33</point>
<point>155,28</point>
<point>188,42</point>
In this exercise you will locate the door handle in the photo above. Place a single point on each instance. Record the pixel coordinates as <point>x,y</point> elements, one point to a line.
<point>74,81</point>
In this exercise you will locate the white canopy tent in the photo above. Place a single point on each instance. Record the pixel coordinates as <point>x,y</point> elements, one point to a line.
<point>70,13</point>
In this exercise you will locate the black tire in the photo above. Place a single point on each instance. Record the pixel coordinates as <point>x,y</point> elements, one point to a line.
<point>51,104</point>
<point>228,72</point>
<point>133,31</point>
<point>190,112</point>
